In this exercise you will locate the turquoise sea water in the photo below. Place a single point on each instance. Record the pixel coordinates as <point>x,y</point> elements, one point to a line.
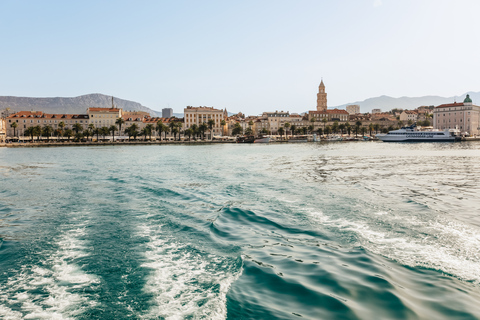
<point>305,231</point>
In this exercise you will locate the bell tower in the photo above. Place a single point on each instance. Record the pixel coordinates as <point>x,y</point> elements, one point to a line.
<point>321,98</point>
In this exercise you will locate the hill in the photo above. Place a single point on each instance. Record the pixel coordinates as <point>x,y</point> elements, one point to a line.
<point>76,105</point>
<point>386,103</point>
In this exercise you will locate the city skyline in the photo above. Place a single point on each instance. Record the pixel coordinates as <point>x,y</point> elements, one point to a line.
<point>248,57</point>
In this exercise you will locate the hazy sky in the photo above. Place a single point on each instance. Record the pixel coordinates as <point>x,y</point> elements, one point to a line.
<point>249,56</point>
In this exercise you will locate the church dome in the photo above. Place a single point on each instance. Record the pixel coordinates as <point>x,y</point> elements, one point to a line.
<point>467,99</point>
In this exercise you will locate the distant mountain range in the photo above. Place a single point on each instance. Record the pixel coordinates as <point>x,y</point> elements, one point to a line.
<point>386,103</point>
<point>76,105</point>
<point>79,105</point>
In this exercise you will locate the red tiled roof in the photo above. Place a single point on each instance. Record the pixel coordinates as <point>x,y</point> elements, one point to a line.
<point>456,104</point>
<point>41,115</point>
<point>330,111</point>
<point>103,109</point>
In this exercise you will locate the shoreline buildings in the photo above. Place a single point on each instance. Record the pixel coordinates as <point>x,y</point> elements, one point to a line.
<point>462,115</point>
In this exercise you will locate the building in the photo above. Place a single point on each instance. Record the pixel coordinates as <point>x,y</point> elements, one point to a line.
<point>464,116</point>
<point>26,119</point>
<point>3,130</point>
<point>331,115</point>
<point>376,111</point>
<point>353,108</point>
<point>201,115</point>
<point>103,117</point>
<point>408,115</point>
<point>321,97</point>
<point>167,112</point>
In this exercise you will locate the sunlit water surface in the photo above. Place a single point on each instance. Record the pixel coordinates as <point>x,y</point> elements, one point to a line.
<point>309,231</point>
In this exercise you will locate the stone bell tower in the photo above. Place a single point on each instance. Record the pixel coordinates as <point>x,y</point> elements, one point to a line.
<point>321,98</point>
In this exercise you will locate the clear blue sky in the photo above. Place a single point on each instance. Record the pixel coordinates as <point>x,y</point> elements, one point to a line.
<point>249,56</point>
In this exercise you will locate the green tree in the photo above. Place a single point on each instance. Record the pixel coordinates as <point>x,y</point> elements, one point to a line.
<point>293,129</point>
<point>248,131</point>
<point>188,133</point>
<point>371,127</point>
<point>320,131</point>
<point>57,133</point>
<point>132,131</point>
<point>150,128</point>
<point>363,130</point>
<point>96,132</point>
<point>119,122</point>
<point>341,127</point>
<point>77,127</point>
<point>328,130</point>
<point>29,132</point>
<point>400,123</point>
<point>112,129</point>
<point>358,124</point>
<point>37,130</point>
<point>237,129</point>
<point>311,128</point>
<point>68,133</point>
<point>223,123</point>
<point>195,131</point>
<point>47,132</point>
<point>86,133</point>
<point>202,128</point>
<point>211,124</point>
<point>160,128</point>
<point>286,125</point>
<point>324,120</point>
<point>335,127</point>
<point>104,131</point>
<point>348,127</point>
<point>14,125</point>
<point>281,131</point>
<point>376,126</point>
<point>144,132</point>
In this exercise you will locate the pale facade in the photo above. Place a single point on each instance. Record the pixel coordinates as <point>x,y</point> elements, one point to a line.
<point>463,116</point>
<point>407,115</point>
<point>376,111</point>
<point>201,115</point>
<point>321,97</point>
<point>103,117</point>
<point>331,115</point>
<point>3,130</point>
<point>353,108</point>
<point>276,120</point>
<point>26,119</point>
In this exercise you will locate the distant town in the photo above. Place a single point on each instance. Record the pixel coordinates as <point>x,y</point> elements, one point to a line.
<point>208,123</point>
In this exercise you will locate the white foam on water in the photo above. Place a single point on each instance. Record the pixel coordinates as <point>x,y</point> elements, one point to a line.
<point>184,284</point>
<point>55,278</point>
<point>448,246</point>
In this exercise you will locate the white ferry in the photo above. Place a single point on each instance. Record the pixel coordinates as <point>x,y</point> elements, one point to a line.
<point>411,134</point>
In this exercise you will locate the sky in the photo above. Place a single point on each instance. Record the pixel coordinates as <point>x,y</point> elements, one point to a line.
<point>248,56</point>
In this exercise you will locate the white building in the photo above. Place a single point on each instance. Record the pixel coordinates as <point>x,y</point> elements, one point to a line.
<point>201,115</point>
<point>353,109</point>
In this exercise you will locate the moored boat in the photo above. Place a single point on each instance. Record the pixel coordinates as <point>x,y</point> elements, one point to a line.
<point>262,139</point>
<point>411,134</point>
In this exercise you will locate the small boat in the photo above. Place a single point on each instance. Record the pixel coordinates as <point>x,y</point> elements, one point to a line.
<point>262,139</point>
<point>298,139</point>
<point>334,138</point>
<point>246,139</point>
<point>411,134</point>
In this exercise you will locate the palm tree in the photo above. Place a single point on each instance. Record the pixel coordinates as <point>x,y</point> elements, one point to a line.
<point>175,130</point>
<point>335,127</point>
<point>194,131</point>
<point>112,129</point>
<point>202,128</point>
<point>29,132</point>
<point>324,120</point>
<point>96,132</point>
<point>150,129</point>
<point>57,133</point>
<point>14,125</point>
<point>86,133</point>
<point>281,131</point>
<point>179,126</point>
<point>400,123</point>
<point>363,130</point>
<point>348,127</point>
<point>341,127</point>
<point>210,124</point>
<point>311,128</point>
<point>286,125</point>
<point>376,126</point>
<point>119,122</point>
<point>91,129</point>
<point>77,127</point>
<point>61,125</point>
<point>223,123</point>
<point>293,128</point>
<point>133,131</point>
<point>171,125</point>
<point>371,127</point>
<point>189,132</point>
<point>320,131</point>
<point>68,133</point>
<point>104,131</point>
<point>37,130</point>
<point>358,124</point>
<point>144,132</point>
<point>160,127</point>
<point>47,132</point>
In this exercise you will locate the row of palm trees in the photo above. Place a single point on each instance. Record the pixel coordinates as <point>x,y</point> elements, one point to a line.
<point>77,132</point>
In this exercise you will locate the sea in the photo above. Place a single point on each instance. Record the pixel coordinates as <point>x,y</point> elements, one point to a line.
<point>339,230</point>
